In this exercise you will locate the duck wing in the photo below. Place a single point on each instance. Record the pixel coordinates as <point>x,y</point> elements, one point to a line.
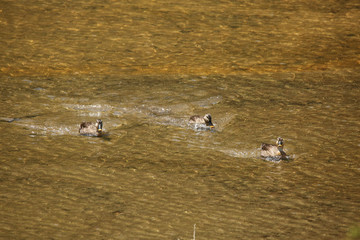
<point>266,147</point>
<point>85,125</point>
<point>194,118</point>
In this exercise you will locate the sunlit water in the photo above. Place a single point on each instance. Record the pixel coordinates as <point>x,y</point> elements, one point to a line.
<point>153,175</point>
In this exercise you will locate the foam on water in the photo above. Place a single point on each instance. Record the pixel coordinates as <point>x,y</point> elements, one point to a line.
<point>241,153</point>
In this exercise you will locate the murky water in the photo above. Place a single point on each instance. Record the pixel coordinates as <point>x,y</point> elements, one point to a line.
<point>262,70</point>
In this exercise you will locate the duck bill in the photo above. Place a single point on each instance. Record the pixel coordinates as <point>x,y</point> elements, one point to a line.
<point>212,126</point>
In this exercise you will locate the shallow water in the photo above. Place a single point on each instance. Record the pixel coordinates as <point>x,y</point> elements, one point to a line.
<point>153,175</point>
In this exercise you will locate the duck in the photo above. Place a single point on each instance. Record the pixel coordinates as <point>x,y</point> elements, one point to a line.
<point>91,128</point>
<point>202,120</point>
<point>273,151</point>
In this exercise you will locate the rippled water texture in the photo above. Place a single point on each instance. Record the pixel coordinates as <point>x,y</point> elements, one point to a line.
<point>263,69</point>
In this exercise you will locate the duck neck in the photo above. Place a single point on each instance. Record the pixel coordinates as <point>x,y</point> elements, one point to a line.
<point>281,150</point>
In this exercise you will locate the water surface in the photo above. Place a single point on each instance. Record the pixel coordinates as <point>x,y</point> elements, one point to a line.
<point>262,70</point>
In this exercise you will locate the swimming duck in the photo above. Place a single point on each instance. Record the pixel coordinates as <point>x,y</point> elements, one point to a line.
<point>202,120</point>
<point>91,129</point>
<point>270,150</point>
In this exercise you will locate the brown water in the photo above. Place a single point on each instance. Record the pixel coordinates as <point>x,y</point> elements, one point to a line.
<point>262,69</point>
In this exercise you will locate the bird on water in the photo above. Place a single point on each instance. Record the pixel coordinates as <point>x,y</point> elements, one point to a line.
<point>270,150</point>
<point>206,120</point>
<point>91,128</point>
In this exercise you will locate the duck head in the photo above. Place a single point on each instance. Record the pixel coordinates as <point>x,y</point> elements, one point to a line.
<point>99,125</point>
<point>280,142</point>
<point>208,122</point>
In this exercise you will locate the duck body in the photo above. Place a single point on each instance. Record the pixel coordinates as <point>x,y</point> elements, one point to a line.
<point>91,128</point>
<point>273,151</point>
<point>204,121</point>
